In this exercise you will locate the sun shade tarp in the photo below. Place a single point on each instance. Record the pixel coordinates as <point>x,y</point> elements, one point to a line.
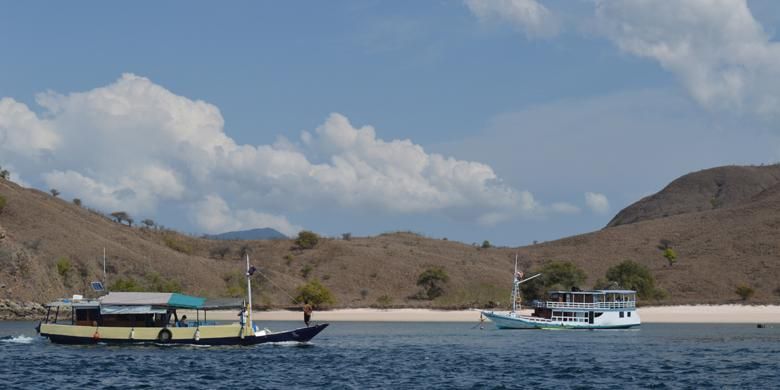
<point>185,301</point>
<point>168,300</point>
<point>223,303</point>
<point>143,309</point>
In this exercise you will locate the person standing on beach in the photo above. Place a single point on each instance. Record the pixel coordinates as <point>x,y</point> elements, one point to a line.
<point>307,310</point>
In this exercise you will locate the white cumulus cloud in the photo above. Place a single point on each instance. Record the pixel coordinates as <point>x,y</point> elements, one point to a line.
<point>598,203</point>
<point>564,208</point>
<point>529,15</point>
<point>133,145</point>
<point>718,50</point>
<point>214,215</point>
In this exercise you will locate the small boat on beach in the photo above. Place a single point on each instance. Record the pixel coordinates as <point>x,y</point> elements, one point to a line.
<point>149,317</point>
<point>597,309</point>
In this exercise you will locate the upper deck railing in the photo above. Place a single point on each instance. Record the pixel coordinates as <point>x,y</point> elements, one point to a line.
<point>577,305</point>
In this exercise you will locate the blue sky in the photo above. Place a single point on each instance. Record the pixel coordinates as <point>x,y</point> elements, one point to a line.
<point>488,119</point>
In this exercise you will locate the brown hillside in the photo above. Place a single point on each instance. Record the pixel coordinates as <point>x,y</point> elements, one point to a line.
<point>718,249</point>
<point>700,191</point>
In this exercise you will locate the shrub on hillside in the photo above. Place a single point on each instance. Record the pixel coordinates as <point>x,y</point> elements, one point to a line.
<point>235,284</point>
<point>431,280</point>
<point>171,241</point>
<point>126,285</point>
<point>670,256</point>
<point>384,301</point>
<point>4,174</point>
<point>486,244</point>
<point>556,275</point>
<point>315,293</point>
<point>121,216</point>
<point>2,203</point>
<point>307,239</point>
<point>156,283</point>
<point>63,266</point>
<point>634,276</point>
<point>306,271</point>
<point>744,292</point>
<point>77,202</point>
<point>220,251</point>
<point>54,192</point>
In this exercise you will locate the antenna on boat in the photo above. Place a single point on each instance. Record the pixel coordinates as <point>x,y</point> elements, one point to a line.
<point>98,286</point>
<point>105,278</point>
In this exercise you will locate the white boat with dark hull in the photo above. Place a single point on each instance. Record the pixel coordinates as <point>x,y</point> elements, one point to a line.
<point>598,309</point>
<point>146,317</point>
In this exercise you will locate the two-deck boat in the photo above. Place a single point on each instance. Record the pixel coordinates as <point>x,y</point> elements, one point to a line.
<point>598,309</point>
<point>144,317</point>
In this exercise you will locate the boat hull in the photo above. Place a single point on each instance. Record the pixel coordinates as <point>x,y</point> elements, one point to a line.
<point>227,335</point>
<point>509,321</point>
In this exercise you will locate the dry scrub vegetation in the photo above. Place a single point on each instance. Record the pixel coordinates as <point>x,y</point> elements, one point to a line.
<point>713,251</point>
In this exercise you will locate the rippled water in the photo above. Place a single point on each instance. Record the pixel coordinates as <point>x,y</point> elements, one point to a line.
<point>420,355</point>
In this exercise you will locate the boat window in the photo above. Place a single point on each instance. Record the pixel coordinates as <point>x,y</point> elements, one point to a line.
<point>598,314</point>
<point>621,314</point>
<point>629,314</point>
<point>86,317</point>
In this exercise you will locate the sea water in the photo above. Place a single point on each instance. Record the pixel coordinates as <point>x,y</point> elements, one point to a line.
<point>413,355</point>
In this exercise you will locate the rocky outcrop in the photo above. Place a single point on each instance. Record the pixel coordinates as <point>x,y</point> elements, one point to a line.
<point>16,310</point>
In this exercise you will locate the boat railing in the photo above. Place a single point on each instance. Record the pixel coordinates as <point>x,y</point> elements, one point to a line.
<point>578,305</point>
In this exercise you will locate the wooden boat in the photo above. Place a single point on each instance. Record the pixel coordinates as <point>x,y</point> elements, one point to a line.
<point>147,317</point>
<point>598,309</point>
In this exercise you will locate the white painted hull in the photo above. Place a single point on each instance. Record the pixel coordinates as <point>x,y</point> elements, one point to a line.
<point>608,320</point>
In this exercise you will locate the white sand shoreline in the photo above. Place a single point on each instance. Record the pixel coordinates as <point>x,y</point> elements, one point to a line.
<point>763,314</point>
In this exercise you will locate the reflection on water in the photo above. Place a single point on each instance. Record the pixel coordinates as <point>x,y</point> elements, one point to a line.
<point>413,355</point>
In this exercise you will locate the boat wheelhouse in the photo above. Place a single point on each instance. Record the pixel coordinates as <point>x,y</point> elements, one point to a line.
<point>597,309</point>
<point>144,317</point>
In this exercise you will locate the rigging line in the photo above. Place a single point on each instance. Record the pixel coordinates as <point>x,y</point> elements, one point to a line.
<point>276,285</point>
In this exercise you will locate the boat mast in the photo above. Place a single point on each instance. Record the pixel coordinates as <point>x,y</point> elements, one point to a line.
<point>249,292</point>
<point>515,285</point>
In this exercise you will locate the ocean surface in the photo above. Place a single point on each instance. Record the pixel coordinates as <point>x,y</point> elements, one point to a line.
<point>413,355</point>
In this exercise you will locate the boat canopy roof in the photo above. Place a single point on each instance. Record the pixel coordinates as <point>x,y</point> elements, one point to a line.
<point>149,302</point>
<point>593,292</point>
<point>223,303</point>
<point>168,300</point>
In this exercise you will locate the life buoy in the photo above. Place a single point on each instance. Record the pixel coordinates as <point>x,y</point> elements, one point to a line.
<point>164,336</point>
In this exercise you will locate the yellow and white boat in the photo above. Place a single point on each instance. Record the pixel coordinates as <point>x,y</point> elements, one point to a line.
<point>147,317</point>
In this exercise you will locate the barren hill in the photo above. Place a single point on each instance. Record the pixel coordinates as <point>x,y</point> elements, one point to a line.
<point>700,191</point>
<point>719,248</point>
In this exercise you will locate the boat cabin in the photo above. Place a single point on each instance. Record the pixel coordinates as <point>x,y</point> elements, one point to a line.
<point>138,310</point>
<point>584,306</point>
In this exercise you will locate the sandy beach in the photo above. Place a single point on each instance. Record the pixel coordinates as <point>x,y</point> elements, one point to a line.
<point>658,314</point>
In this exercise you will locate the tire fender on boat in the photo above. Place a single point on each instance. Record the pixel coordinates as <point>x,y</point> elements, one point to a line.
<point>164,336</point>
<point>132,333</point>
<point>197,334</point>
<point>96,336</point>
